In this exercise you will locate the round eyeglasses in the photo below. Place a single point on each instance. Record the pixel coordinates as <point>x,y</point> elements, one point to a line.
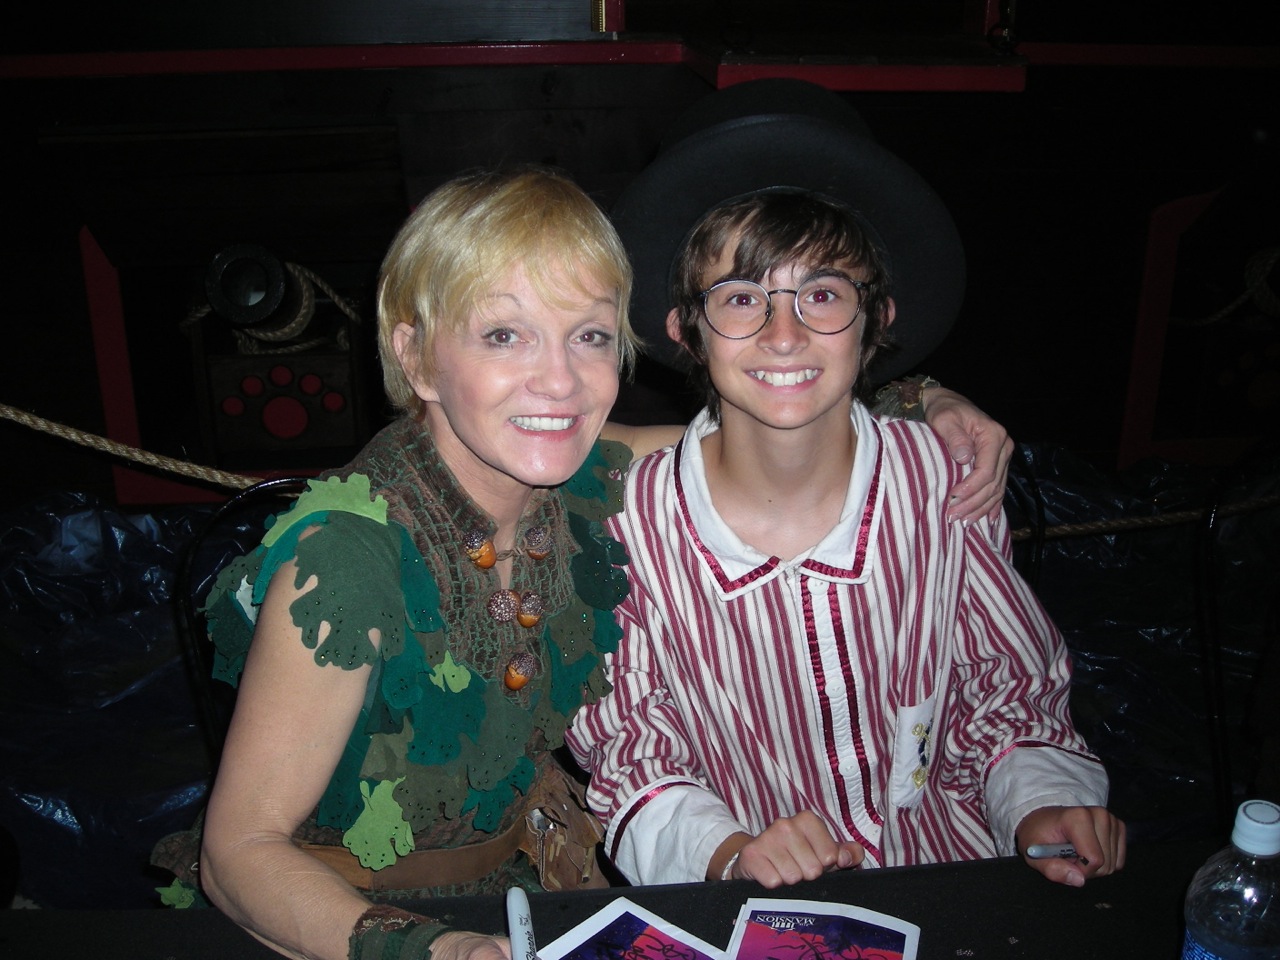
<point>738,309</point>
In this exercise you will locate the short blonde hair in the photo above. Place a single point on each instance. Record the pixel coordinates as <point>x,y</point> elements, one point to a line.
<point>466,236</point>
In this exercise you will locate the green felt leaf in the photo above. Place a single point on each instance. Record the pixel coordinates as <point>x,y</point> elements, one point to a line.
<point>230,616</point>
<point>450,676</point>
<point>587,482</point>
<point>385,759</point>
<point>429,793</point>
<point>382,718</point>
<point>232,579</point>
<point>600,583</point>
<point>596,490</point>
<point>231,633</point>
<point>352,495</point>
<point>607,633</point>
<point>433,645</point>
<point>573,629</point>
<point>357,591</point>
<point>597,686</point>
<point>403,677</point>
<point>551,722</point>
<point>380,833</point>
<point>617,457</point>
<point>442,718</point>
<point>490,804</point>
<point>280,553</point>
<point>506,729</point>
<point>177,894</point>
<point>567,682</point>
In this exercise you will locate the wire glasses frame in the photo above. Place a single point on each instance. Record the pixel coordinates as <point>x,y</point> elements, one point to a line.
<point>739,309</point>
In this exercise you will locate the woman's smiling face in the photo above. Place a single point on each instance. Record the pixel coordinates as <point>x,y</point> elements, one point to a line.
<point>523,388</point>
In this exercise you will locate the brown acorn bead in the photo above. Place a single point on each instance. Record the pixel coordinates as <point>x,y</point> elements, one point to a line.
<point>530,612</point>
<point>504,605</point>
<point>537,543</point>
<point>480,549</point>
<point>521,668</point>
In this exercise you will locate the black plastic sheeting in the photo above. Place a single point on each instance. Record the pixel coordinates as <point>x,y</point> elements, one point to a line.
<point>102,753</point>
<point>1136,608</point>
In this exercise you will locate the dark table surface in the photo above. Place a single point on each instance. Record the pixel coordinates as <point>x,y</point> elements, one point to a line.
<point>990,909</point>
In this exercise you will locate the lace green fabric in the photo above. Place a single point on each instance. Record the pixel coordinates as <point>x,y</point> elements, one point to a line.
<point>385,932</point>
<point>441,747</point>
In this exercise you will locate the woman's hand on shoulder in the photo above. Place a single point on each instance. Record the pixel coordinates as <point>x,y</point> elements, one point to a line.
<point>971,437</point>
<point>643,440</point>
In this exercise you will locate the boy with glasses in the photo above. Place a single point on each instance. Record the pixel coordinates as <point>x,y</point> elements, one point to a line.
<point>817,668</point>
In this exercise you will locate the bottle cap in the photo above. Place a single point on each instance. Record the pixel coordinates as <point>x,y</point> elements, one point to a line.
<point>1257,829</point>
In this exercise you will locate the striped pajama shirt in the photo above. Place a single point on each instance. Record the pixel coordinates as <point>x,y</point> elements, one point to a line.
<point>898,679</point>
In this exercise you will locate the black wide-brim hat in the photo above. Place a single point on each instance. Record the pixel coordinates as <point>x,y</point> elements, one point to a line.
<point>776,134</point>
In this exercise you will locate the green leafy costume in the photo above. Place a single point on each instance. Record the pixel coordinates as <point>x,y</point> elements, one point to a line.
<point>442,752</point>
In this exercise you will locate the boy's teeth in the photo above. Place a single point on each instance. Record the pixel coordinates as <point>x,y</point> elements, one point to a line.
<point>543,423</point>
<point>788,379</point>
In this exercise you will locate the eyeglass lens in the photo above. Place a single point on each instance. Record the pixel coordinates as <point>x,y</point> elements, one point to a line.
<point>740,308</point>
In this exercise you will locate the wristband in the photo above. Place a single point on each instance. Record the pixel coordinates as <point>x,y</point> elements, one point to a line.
<point>727,872</point>
<point>388,933</point>
<point>903,398</point>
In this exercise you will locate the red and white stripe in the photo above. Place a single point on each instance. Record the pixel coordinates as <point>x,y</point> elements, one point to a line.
<point>778,686</point>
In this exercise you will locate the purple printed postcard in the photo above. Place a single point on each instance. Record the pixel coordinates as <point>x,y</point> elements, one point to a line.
<point>810,930</point>
<point>626,931</point>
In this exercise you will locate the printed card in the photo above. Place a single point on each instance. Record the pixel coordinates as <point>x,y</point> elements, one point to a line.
<point>626,931</point>
<point>810,930</point>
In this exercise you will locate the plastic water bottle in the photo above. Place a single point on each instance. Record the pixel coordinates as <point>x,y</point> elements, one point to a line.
<point>1233,903</point>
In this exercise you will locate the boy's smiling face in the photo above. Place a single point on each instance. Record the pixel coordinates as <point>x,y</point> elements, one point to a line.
<point>786,376</point>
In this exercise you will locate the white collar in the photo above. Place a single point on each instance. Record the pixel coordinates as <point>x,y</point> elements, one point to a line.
<point>844,555</point>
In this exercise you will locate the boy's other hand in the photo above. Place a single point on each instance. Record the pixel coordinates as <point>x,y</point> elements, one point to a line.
<point>1097,834</point>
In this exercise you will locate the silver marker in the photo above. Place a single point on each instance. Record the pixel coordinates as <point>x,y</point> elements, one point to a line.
<point>520,926</point>
<point>1051,851</point>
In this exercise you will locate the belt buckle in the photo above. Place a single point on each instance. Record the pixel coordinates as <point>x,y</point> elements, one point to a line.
<point>540,826</point>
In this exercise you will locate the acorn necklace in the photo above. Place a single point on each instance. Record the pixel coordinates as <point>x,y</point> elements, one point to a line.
<point>507,605</point>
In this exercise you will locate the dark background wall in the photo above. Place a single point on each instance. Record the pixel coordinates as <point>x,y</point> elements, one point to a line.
<point>170,131</point>
<point>1053,189</point>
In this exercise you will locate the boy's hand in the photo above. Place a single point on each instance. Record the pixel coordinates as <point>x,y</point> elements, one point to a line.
<point>1096,833</point>
<point>792,849</point>
<point>971,437</point>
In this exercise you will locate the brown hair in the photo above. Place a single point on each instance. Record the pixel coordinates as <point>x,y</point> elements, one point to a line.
<point>771,228</point>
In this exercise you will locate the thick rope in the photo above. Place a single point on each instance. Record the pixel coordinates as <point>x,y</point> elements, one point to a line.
<point>1094,527</point>
<point>217,477</point>
<point>235,481</point>
<point>250,343</point>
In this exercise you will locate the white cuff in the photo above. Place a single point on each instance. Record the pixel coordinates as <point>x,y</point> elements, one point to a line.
<point>671,835</point>
<point>1029,777</point>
